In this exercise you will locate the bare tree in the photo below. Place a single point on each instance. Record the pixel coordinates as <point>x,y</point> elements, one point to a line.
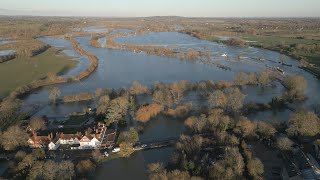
<point>255,168</point>
<point>54,94</point>
<point>14,137</point>
<point>303,123</point>
<point>235,99</point>
<point>37,123</point>
<point>217,99</point>
<point>296,87</point>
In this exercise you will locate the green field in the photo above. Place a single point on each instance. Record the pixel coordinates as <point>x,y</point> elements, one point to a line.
<point>278,40</point>
<point>19,71</point>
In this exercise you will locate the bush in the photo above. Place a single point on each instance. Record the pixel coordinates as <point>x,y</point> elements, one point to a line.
<point>145,113</point>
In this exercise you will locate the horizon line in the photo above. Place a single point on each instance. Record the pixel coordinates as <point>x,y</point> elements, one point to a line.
<point>92,16</point>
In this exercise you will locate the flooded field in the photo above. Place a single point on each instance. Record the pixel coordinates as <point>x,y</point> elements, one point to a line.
<point>92,29</point>
<point>119,68</point>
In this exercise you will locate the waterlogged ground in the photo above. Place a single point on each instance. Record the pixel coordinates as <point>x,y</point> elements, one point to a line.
<point>119,68</point>
<point>67,50</point>
<point>92,29</point>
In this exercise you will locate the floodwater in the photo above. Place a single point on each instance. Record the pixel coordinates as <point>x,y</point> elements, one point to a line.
<point>120,68</point>
<point>92,29</point>
<point>133,167</point>
<point>4,164</point>
<point>7,52</point>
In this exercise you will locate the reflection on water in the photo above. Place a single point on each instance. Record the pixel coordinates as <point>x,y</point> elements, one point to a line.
<point>271,116</point>
<point>4,164</point>
<point>133,167</point>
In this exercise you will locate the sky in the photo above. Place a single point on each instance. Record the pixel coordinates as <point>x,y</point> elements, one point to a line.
<point>139,8</point>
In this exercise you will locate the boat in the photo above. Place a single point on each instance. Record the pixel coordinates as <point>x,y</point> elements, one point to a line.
<point>290,65</point>
<point>280,70</point>
<point>106,154</point>
<point>224,55</point>
<point>116,150</point>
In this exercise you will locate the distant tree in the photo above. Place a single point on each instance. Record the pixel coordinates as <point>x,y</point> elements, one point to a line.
<point>145,113</point>
<point>303,123</point>
<point>103,104</point>
<point>282,58</point>
<point>264,78</point>
<point>13,137</point>
<point>163,97</point>
<point>241,79</point>
<point>255,168</point>
<point>9,112</point>
<point>191,146</point>
<point>137,88</point>
<point>85,167</point>
<point>65,170</point>
<point>134,135</point>
<point>20,155</point>
<point>192,55</point>
<point>296,87</point>
<point>200,125</point>
<point>190,121</point>
<point>39,153</point>
<point>37,123</point>
<point>155,167</point>
<point>218,121</point>
<point>231,167</point>
<point>37,171</point>
<point>217,99</point>
<point>234,99</point>
<point>236,42</point>
<point>244,127</point>
<point>177,90</point>
<point>54,94</point>
<point>26,162</point>
<point>117,109</point>
<point>96,154</point>
<point>284,144</point>
<point>126,149</point>
<point>157,171</point>
<point>130,136</point>
<point>203,88</point>
<point>264,130</point>
<point>178,175</point>
<point>51,170</point>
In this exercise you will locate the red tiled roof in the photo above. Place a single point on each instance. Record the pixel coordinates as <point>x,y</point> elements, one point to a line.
<point>85,139</point>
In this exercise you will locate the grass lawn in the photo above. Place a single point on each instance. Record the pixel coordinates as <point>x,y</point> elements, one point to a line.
<point>110,157</point>
<point>23,70</point>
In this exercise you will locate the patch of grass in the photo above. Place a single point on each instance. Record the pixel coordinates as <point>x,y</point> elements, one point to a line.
<point>313,58</point>
<point>23,70</point>
<point>110,157</point>
<point>248,51</point>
